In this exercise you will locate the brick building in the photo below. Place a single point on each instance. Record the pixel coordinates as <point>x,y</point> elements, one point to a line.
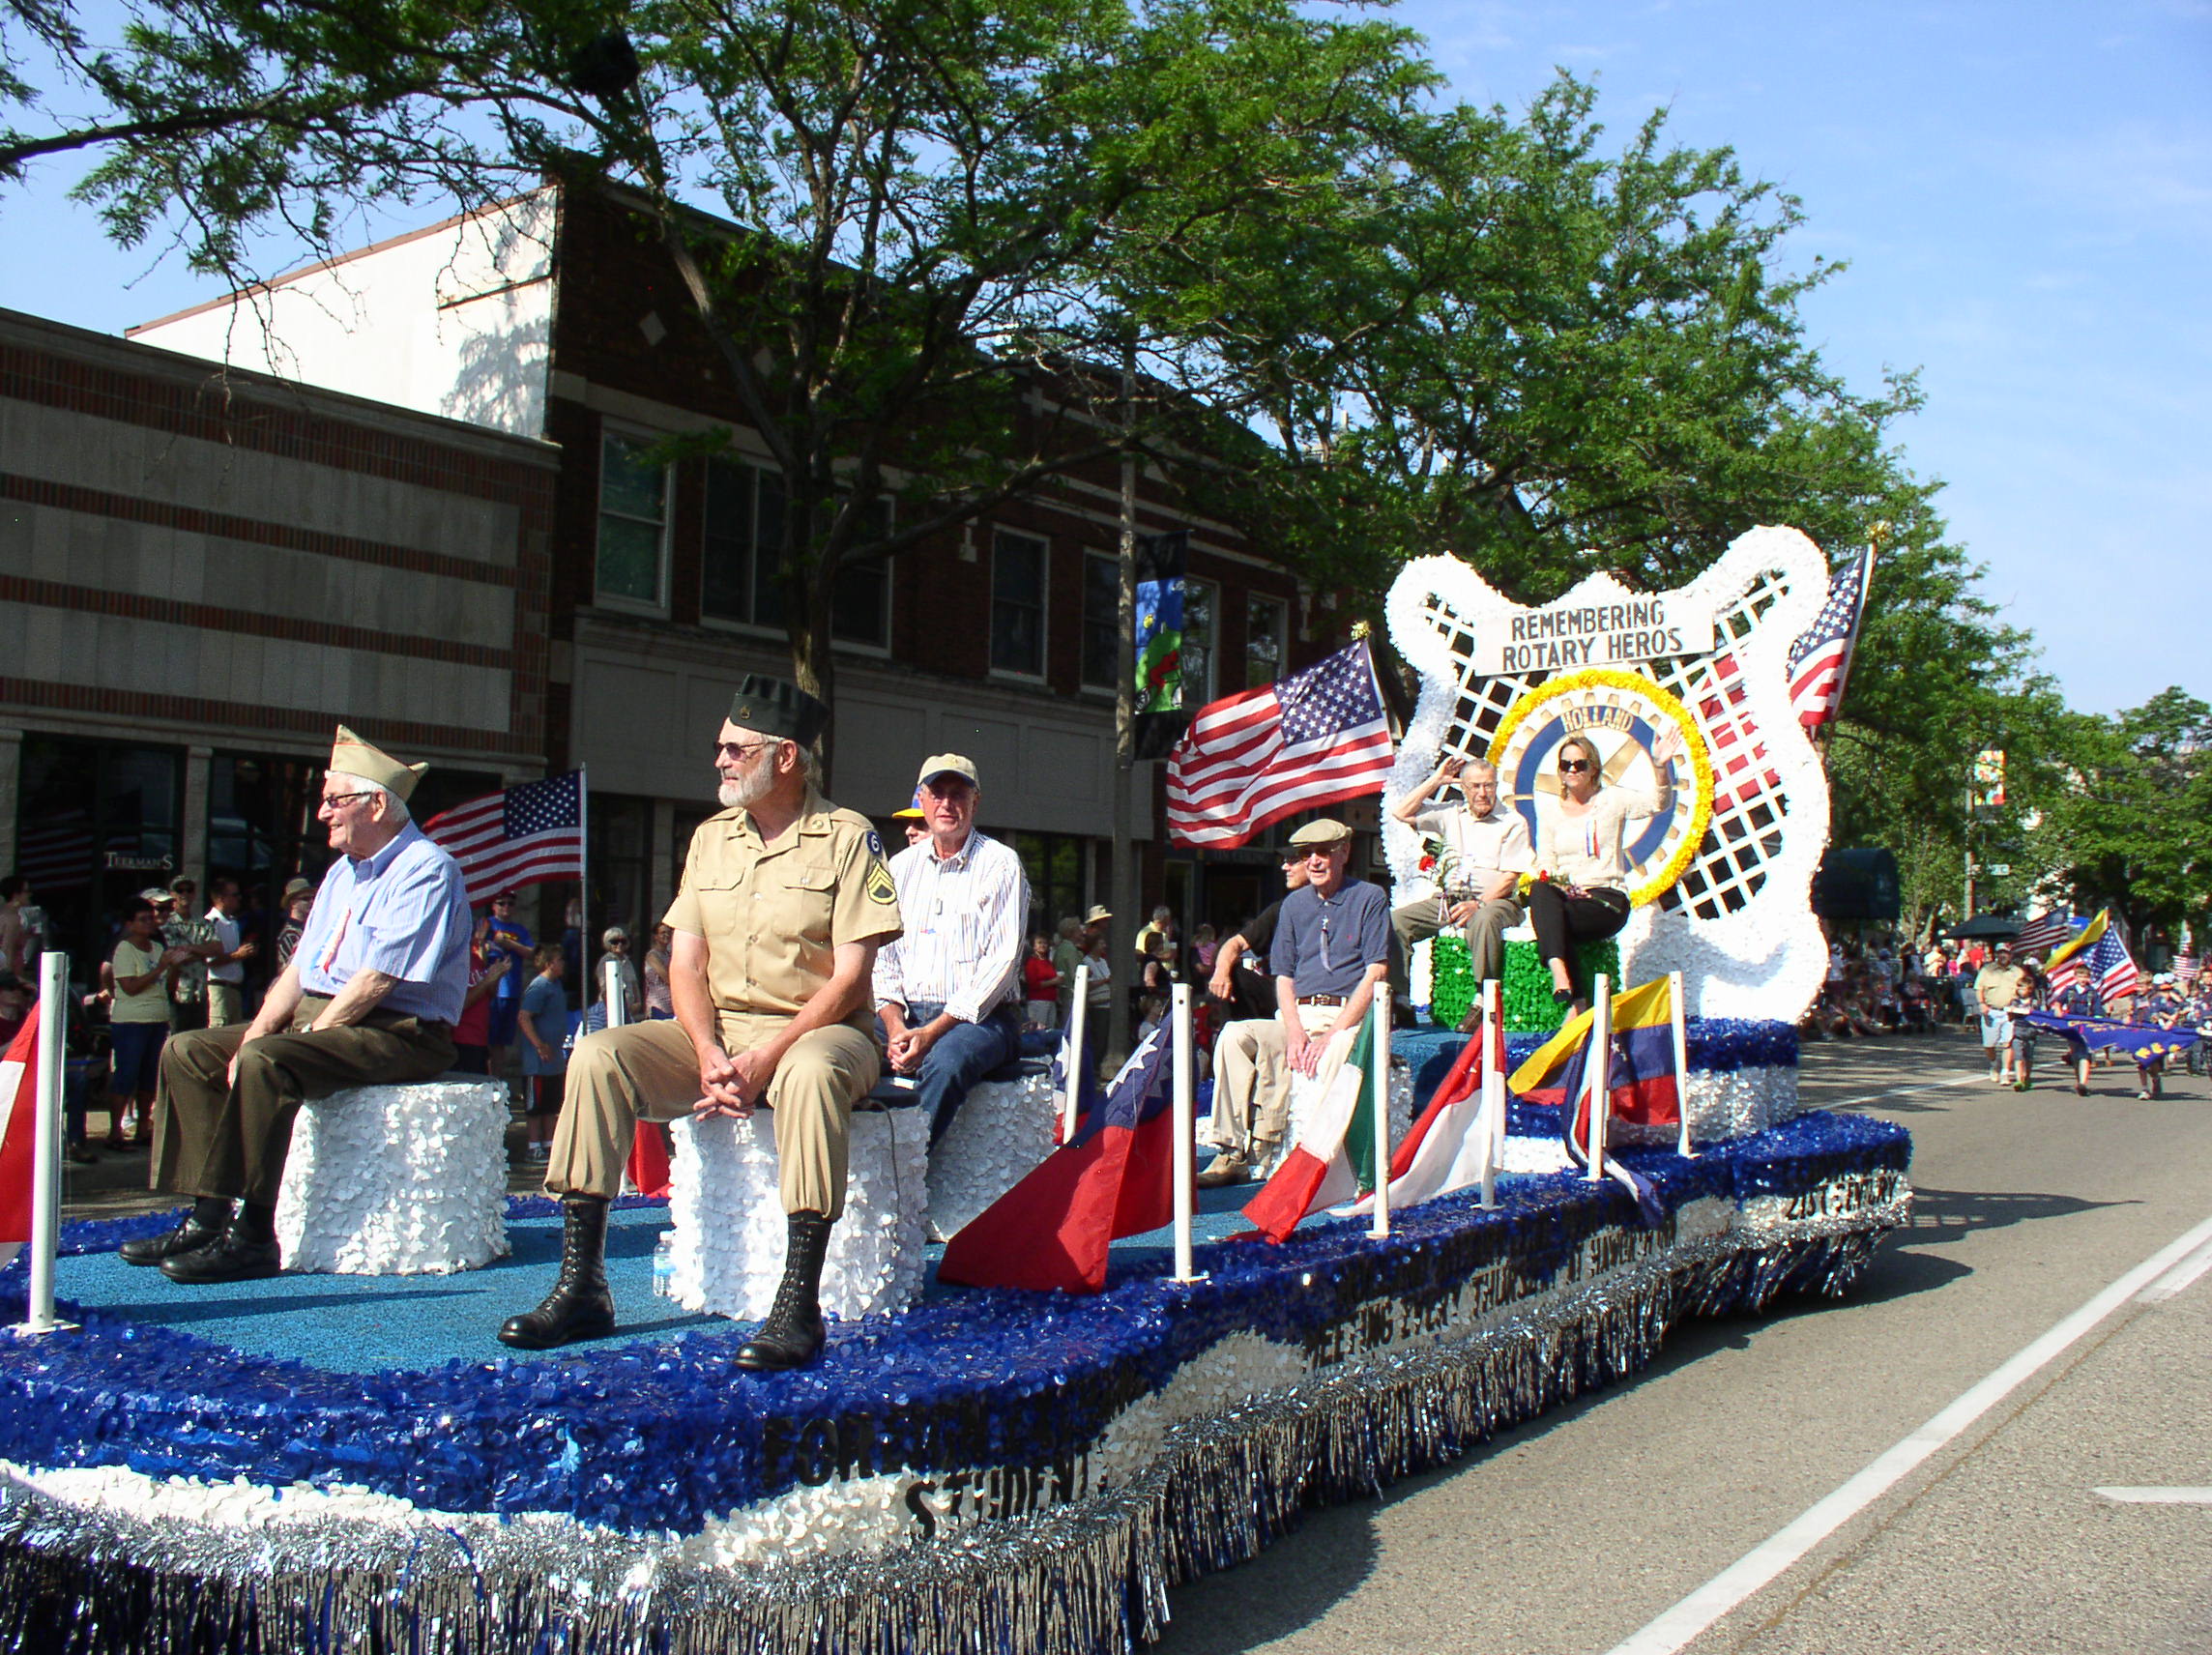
<point>551,317</point>
<point>203,574</point>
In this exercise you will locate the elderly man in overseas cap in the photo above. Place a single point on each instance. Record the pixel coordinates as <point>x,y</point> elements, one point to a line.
<point>371,997</point>
<point>784,901</point>
<point>948,992</point>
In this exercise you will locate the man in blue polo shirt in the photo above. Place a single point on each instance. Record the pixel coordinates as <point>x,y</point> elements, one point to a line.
<point>371,997</point>
<point>1332,948</point>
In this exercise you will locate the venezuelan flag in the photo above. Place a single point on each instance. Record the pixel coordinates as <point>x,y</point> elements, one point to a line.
<point>1641,1068</point>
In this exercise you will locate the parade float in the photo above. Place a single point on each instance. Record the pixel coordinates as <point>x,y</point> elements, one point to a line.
<point>350,1462</point>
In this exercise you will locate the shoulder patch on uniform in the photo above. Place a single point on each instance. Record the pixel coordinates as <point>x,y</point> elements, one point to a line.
<point>875,845</point>
<point>880,888</point>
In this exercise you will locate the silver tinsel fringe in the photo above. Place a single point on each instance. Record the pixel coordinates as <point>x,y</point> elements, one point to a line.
<point>1082,1579</point>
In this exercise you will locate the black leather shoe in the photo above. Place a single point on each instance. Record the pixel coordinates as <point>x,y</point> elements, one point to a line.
<point>792,1335</point>
<point>189,1236</point>
<point>579,1306</point>
<point>230,1256</point>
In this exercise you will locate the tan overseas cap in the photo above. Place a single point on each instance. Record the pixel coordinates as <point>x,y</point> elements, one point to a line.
<point>947,763</point>
<point>350,755</point>
<point>1325,831</point>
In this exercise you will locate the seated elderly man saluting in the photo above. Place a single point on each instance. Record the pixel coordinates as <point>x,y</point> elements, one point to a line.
<point>371,995</point>
<point>784,900</point>
<point>950,991</point>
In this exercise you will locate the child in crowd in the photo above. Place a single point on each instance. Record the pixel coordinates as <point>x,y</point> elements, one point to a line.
<point>1040,984</point>
<point>472,1035</point>
<point>542,1021</point>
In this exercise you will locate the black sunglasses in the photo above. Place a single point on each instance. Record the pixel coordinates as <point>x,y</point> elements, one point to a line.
<point>1568,766</point>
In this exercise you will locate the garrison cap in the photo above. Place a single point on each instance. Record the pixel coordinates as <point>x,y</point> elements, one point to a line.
<point>778,709</point>
<point>350,755</point>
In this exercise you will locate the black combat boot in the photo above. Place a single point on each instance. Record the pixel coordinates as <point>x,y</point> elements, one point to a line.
<point>579,1306</point>
<point>792,1336</point>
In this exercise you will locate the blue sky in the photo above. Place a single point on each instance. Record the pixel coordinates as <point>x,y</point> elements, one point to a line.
<point>2023,193</point>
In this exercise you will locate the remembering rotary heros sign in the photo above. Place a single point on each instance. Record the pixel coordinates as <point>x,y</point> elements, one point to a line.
<point>1569,635</point>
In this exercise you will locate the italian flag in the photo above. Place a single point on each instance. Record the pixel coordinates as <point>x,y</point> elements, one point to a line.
<point>1334,1158</point>
<point>19,1119</point>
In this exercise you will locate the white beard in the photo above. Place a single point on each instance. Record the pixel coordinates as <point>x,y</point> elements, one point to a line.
<point>748,790</point>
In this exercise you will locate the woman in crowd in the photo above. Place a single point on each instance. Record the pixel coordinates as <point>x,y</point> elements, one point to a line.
<point>543,1025</point>
<point>1578,847</point>
<point>615,940</point>
<point>1040,984</point>
<point>137,1021</point>
<point>658,1000</point>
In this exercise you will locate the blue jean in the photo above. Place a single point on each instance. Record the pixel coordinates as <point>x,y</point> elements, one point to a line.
<point>963,1055</point>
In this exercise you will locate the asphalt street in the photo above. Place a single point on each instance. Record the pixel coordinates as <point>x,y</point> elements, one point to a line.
<point>1583,1530</point>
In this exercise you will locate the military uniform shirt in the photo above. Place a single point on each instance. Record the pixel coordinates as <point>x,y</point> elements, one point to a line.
<point>773,915</point>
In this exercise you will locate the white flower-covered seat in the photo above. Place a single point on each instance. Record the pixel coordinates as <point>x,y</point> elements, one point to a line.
<point>1001,1130</point>
<point>728,1231</point>
<point>397,1181</point>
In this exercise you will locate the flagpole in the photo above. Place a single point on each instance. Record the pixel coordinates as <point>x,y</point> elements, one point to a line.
<point>1874,536</point>
<point>1678,1015</point>
<point>1078,1020</point>
<point>1600,1087</point>
<point>1186,1125</point>
<point>584,880</point>
<point>1493,1110</point>
<point>47,1144</point>
<point>1379,1056</point>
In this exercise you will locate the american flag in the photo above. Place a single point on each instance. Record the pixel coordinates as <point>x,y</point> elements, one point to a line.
<point>1821,659</point>
<point>2044,933</point>
<point>524,835</point>
<point>1741,769</point>
<point>2100,955</point>
<point>1314,738</point>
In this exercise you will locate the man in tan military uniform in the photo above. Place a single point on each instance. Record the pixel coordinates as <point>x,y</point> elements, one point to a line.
<point>784,900</point>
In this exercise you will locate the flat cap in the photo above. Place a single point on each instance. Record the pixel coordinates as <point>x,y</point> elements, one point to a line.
<point>1325,831</point>
<point>777,708</point>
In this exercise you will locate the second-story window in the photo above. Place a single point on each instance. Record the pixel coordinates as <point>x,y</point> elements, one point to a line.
<point>744,538</point>
<point>1198,601</point>
<point>1265,621</point>
<point>633,523</point>
<point>1101,618</point>
<point>1017,604</point>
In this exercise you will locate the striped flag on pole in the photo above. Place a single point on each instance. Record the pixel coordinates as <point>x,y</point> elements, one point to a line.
<point>2044,933</point>
<point>18,1127</point>
<point>1821,659</point>
<point>1315,738</point>
<point>523,835</point>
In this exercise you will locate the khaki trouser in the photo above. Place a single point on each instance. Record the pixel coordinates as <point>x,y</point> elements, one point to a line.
<point>227,1003</point>
<point>1252,1084</point>
<point>212,1138</point>
<point>1485,930</point>
<point>648,1071</point>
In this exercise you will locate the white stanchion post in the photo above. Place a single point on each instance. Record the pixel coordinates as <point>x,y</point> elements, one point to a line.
<point>1600,1083</point>
<point>47,1144</point>
<point>1378,1053</point>
<point>1185,1130</point>
<point>1492,1119</point>
<point>1078,1018</point>
<point>1681,1017</point>
<point>611,994</point>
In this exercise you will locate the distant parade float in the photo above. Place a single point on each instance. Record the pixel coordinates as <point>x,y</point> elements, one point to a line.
<point>991,1468</point>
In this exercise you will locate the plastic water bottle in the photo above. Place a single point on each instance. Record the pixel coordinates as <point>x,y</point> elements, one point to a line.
<point>664,1265</point>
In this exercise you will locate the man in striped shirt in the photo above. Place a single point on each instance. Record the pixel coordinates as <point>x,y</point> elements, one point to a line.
<point>949,990</point>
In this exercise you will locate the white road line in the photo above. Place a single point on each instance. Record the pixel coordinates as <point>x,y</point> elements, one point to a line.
<point>2159,1496</point>
<point>2179,1277</point>
<point>1679,1626</point>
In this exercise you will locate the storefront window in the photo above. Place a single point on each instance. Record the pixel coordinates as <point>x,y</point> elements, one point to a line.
<point>98,823</point>
<point>1054,863</point>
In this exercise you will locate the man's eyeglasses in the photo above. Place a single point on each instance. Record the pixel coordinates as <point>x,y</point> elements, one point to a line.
<point>332,800</point>
<point>745,752</point>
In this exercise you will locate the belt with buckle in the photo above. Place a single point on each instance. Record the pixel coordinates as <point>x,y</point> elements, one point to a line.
<point>1323,999</point>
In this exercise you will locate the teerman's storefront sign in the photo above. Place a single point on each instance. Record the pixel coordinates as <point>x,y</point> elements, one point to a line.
<point>1599,635</point>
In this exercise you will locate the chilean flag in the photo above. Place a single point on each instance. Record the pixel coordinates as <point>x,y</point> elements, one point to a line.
<point>1323,1168</point>
<point>18,1126</point>
<point>1115,1178</point>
